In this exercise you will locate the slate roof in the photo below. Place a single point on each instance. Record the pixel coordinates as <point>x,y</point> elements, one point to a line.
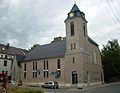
<point>92,41</point>
<point>75,8</point>
<point>52,50</point>
<point>20,58</point>
<point>6,49</point>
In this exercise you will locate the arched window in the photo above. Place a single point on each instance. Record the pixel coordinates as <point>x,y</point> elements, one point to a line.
<point>72,28</point>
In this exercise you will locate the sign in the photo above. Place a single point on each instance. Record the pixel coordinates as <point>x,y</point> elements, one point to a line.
<point>55,74</point>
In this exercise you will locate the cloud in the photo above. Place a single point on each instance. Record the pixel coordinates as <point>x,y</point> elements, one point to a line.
<point>26,22</point>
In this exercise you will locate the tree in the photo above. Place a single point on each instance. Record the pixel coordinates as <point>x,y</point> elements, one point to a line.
<point>35,45</point>
<point>111,60</point>
<point>56,39</point>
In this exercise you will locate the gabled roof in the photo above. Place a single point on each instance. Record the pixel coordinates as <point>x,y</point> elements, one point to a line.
<point>20,58</point>
<point>6,49</point>
<point>52,50</point>
<point>92,41</point>
<point>75,8</point>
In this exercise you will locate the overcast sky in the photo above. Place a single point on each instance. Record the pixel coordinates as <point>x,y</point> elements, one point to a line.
<point>26,22</point>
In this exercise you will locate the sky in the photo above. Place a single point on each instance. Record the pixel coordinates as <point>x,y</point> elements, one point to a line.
<point>24,23</point>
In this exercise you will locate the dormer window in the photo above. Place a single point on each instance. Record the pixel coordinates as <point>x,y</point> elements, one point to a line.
<point>78,13</point>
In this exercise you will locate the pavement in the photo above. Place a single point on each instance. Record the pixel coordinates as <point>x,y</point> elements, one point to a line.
<point>68,90</point>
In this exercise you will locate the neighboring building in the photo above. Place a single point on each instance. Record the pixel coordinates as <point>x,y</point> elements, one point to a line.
<point>76,57</point>
<point>7,54</point>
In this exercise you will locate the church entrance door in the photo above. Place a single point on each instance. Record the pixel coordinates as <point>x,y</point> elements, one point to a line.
<point>74,77</point>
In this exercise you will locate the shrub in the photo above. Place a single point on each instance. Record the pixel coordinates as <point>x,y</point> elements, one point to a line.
<point>17,89</point>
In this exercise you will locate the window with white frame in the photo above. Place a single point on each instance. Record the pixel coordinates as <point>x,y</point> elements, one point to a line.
<point>59,67</point>
<point>25,70</point>
<point>34,70</point>
<point>46,67</point>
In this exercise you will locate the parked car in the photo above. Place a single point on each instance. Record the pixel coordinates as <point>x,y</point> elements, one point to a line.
<point>51,84</point>
<point>12,82</point>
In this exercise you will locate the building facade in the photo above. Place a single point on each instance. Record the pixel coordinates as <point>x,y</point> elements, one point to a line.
<point>7,54</point>
<point>76,58</point>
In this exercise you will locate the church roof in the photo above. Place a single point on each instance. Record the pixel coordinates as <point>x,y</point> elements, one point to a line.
<point>52,50</point>
<point>92,41</point>
<point>75,8</point>
<point>20,58</point>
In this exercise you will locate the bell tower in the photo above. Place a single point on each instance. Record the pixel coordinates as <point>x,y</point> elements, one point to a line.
<point>76,30</point>
<point>76,41</point>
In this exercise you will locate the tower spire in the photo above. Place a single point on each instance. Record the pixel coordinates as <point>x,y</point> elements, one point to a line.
<point>74,2</point>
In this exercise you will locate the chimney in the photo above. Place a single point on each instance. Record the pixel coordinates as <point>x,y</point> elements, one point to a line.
<point>7,45</point>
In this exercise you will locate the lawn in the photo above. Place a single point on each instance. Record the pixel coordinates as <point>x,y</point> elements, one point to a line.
<point>16,89</point>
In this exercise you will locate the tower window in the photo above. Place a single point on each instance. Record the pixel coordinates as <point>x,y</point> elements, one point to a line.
<point>71,46</point>
<point>5,63</point>
<point>74,46</point>
<point>72,28</point>
<point>5,56</point>
<point>84,30</point>
<point>73,59</point>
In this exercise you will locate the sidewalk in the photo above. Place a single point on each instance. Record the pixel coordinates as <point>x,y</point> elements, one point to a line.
<point>98,86</point>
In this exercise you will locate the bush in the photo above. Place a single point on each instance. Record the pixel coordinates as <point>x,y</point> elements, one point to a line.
<point>23,90</point>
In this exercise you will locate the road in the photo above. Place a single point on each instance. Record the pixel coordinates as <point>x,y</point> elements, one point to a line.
<point>111,88</point>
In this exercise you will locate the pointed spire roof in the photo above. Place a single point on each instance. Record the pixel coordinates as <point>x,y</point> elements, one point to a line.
<point>75,8</point>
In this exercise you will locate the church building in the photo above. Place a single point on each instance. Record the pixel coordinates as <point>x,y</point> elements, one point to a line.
<point>73,60</point>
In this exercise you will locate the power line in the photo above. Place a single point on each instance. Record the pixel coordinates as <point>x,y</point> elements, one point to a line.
<point>118,2</point>
<point>108,12</point>
<point>115,8</point>
<point>113,11</point>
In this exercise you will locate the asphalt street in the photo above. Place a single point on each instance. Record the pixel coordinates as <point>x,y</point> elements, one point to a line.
<point>109,88</point>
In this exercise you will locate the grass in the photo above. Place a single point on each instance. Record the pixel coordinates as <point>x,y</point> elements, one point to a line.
<point>16,89</point>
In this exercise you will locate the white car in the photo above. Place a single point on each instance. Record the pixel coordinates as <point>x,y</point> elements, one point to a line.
<point>12,82</point>
<point>51,84</point>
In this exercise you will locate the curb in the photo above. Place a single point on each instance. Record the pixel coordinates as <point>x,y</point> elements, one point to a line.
<point>93,87</point>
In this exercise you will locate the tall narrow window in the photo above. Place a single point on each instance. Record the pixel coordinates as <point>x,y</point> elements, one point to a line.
<point>44,74</point>
<point>24,74</point>
<point>71,46</point>
<point>74,46</point>
<point>24,70</point>
<point>84,30</point>
<point>33,66</point>
<point>46,67</point>
<point>58,67</point>
<point>73,60</point>
<point>5,63</point>
<point>24,66</point>
<point>47,72</point>
<point>58,63</point>
<point>34,70</point>
<point>5,56</point>
<point>72,28</point>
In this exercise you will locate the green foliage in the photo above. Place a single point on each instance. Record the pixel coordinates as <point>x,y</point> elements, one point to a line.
<point>111,60</point>
<point>17,89</point>
<point>56,39</point>
<point>35,45</point>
